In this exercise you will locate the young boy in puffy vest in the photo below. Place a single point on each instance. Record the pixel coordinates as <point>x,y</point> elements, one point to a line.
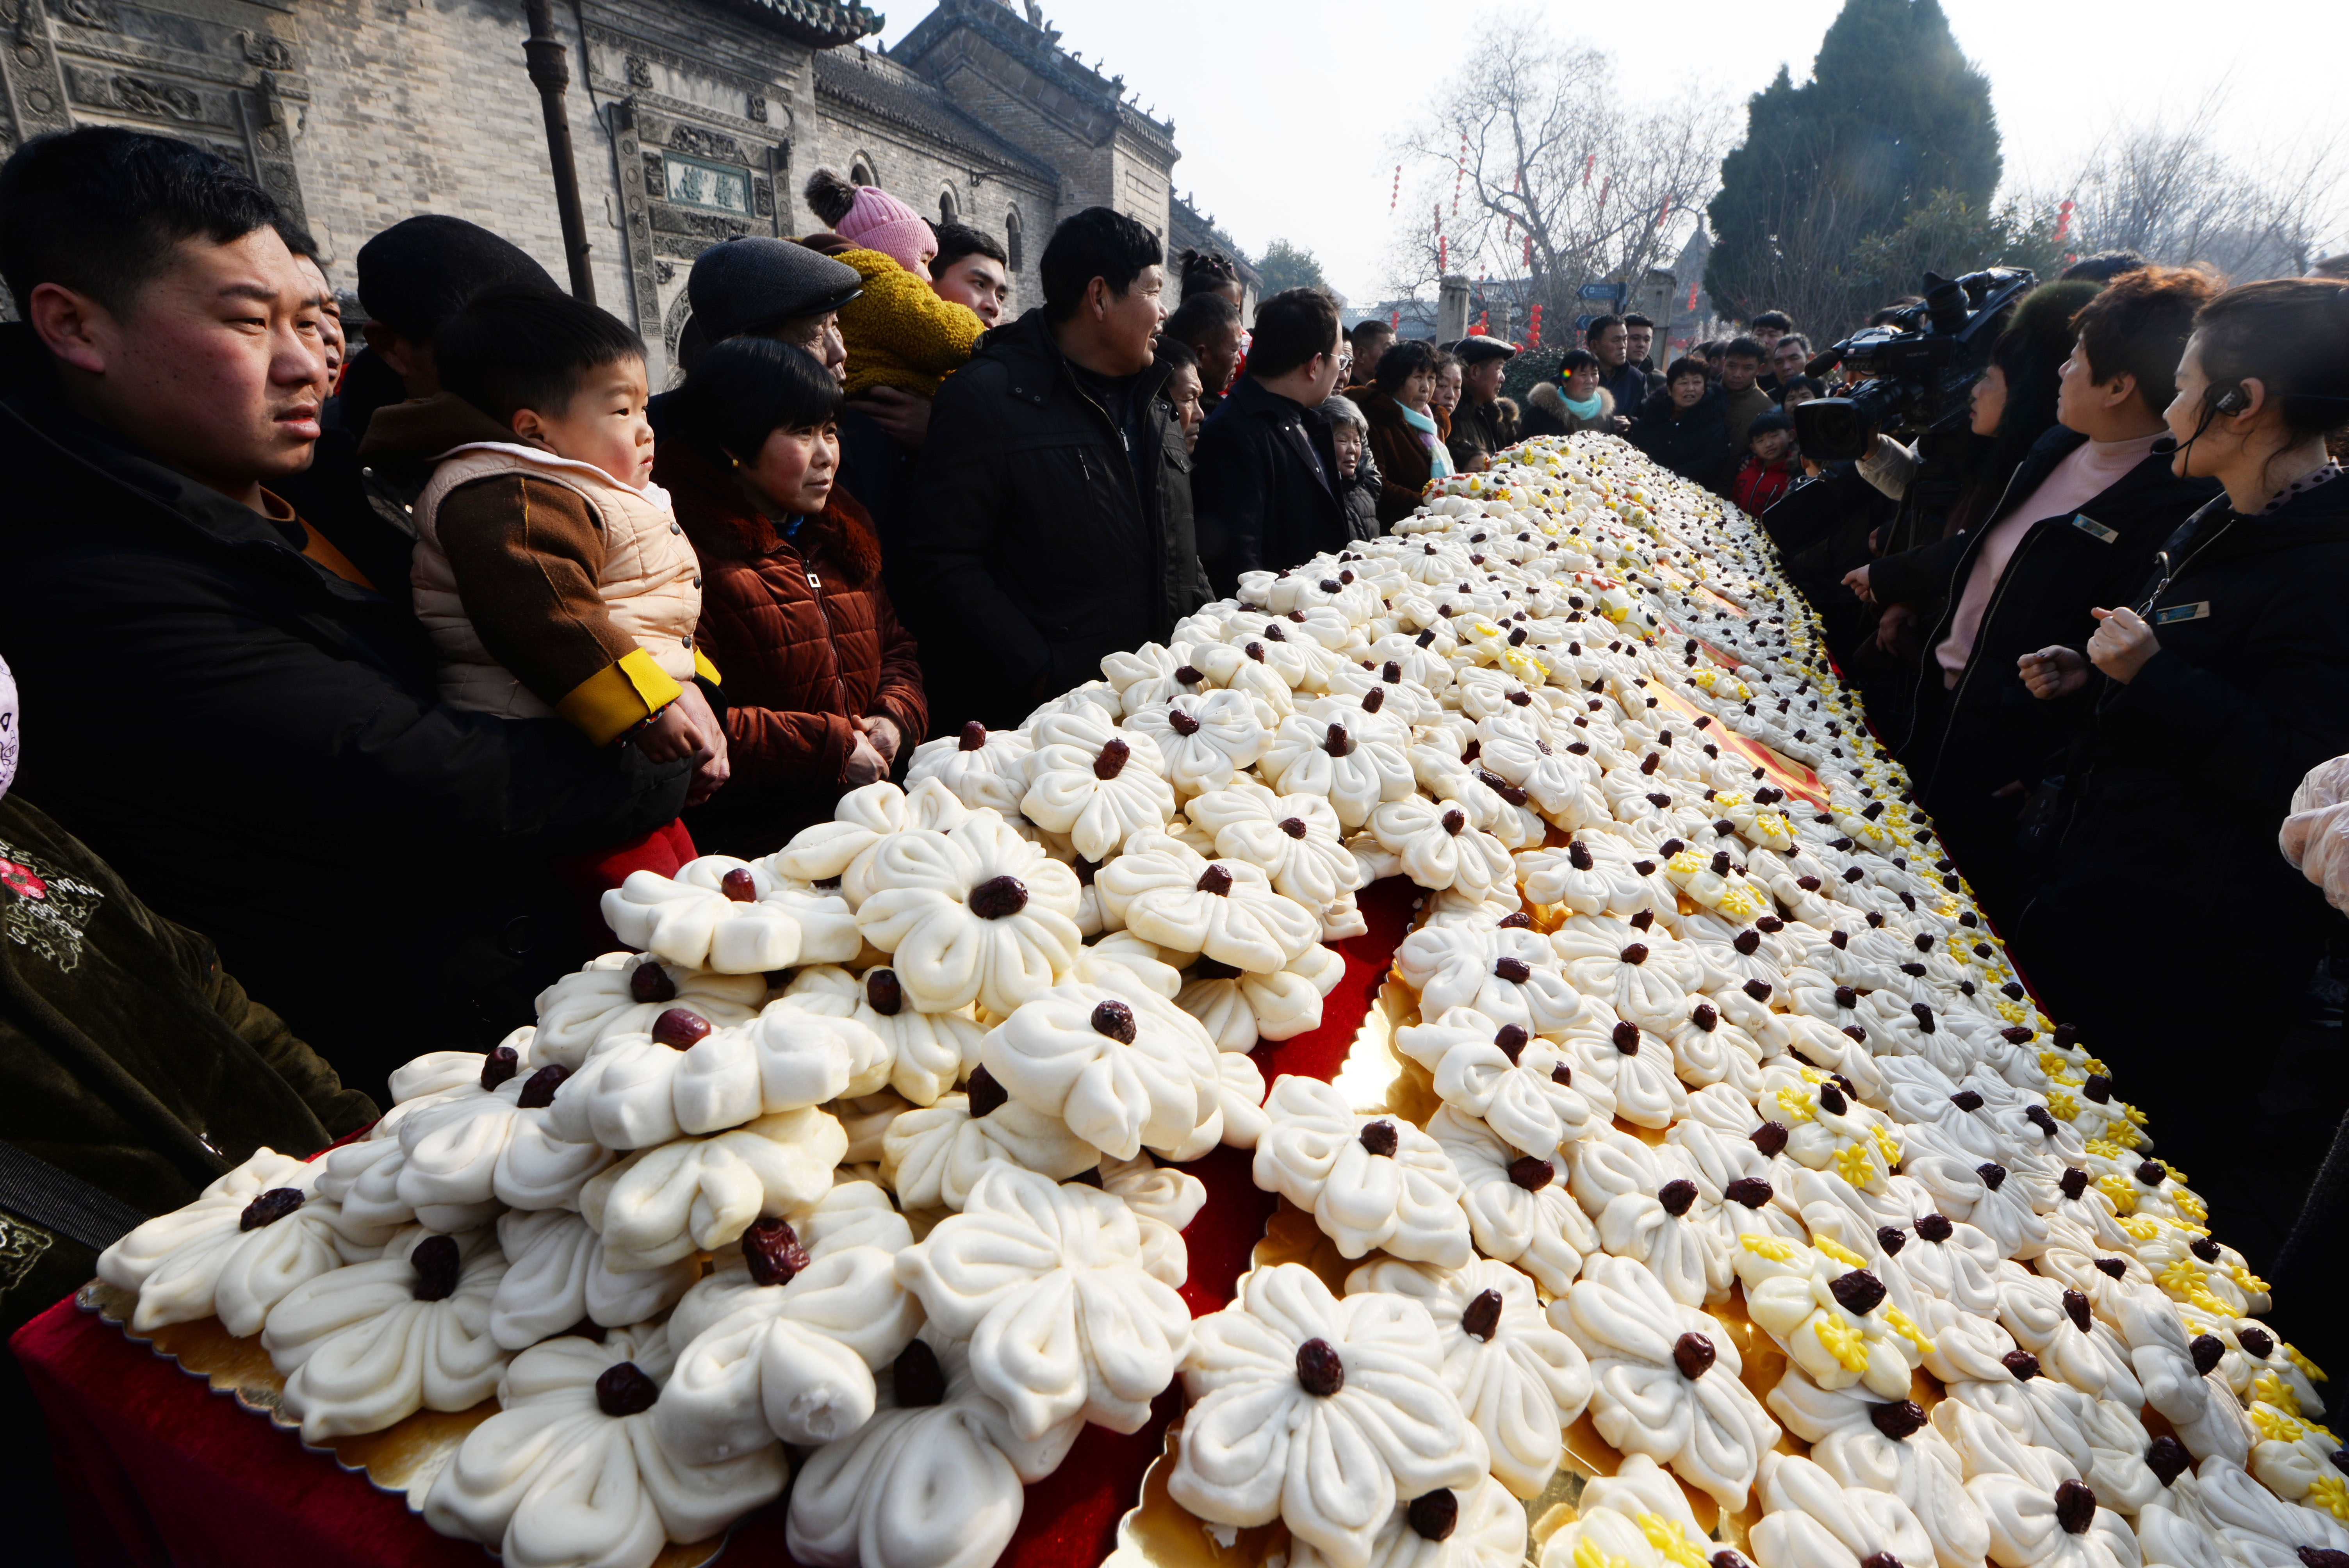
<point>549,569</point>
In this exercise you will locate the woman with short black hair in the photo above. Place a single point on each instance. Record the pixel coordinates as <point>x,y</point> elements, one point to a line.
<point>1407,429</point>
<point>2215,687</point>
<point>823,685</point>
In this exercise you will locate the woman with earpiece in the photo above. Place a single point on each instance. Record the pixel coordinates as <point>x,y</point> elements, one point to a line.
<point>2169,929</point>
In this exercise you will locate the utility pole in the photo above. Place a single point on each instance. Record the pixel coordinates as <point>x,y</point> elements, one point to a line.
<point>550,72</point>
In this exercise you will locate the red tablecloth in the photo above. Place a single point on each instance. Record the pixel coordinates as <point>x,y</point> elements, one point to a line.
<point>158,1469</point>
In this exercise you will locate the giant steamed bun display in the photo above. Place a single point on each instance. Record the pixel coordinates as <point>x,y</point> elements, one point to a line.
<point>1745,1149</point>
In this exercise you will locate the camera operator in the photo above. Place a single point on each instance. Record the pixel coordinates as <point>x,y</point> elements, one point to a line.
<point>2216,686</point>
<point>2009,408</point>
<point>2080,519</point>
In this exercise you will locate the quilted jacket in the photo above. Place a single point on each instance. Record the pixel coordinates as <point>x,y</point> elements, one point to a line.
<point>808,639</point>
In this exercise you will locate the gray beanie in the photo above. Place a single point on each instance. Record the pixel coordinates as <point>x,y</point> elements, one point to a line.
<point>751,284</point>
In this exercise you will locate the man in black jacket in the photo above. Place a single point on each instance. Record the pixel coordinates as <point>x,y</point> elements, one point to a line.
<point>1050,519</point>
<point>232,715</point>
<point>1265,481</point>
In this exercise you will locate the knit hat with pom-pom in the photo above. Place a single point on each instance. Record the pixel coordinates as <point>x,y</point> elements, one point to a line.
<point>872,218</point>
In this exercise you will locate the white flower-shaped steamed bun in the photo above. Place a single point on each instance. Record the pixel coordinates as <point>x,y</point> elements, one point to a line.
<point>246,1241</point>
<point>1518,1208</point>
<point>1369,1180</point>
<point>1440,848</point>
<point>1480,1526</point>
<point>660,1204</point>
<point>978,767</point>
<point>1336,761</point>
<point>1205,739</point>
<point>557,1277</point>
<point>1812,1521</point>
<point>1666,1379</point>
<point>1165,892</point>
<point>841,850</point>
<point>1095,782</point>
<point>933,1481</point>
<point>782,1340</point>
<point>721,914</point>
<point>569,1474</point>
<point>1296,840</point>
<point>1509,975</point>
<point>1122,1067</point>
<point>1047,1283</point>
<point>624,993</point>
<point>1321,1413</point>
<point>637,1090</point>
<point>933,1156</point>
<point>928,1053</point>
<point>365,1346</point>
<point>978,915</point>
<point>1519,1380</point>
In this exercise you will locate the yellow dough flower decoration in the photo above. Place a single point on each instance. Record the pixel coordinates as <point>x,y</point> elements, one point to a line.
<point>2250,1281</point>
<point>1798,1107</point>
<point>1777,1248</point>
<point>1886,1146</point>
<point>2123,1195</point>
<point>2013,1012</point>
<point>2268,1389</point>
<point>1851,1164</point>
<point>1843,1340</point>
<point>1670,1540</point>
<point>2330,1493</point>
<point>1902,1325</point>
<point>1841,1253</point>
<point>2062,1105</point>
<point>2307,1367</point>
<point>2273,1426</point>
<point>2142,1228</point>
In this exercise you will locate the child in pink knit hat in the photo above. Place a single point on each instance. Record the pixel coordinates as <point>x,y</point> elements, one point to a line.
<point>899,332</point>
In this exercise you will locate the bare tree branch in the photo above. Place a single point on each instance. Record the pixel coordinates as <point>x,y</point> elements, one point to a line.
<point>1560,182</point>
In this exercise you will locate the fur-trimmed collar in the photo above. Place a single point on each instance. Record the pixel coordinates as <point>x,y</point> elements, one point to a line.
<point>724,525</point>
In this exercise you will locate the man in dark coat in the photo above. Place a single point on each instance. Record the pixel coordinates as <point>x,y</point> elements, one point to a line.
<point>1685,427</point>
<point>1265,482</point>
<point>1050,519</point>
<point>1485,421</point>
<point>236,718</point>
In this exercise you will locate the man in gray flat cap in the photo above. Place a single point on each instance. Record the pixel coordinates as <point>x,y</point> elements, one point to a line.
<point>1485,421</point>
<point>761,287</point>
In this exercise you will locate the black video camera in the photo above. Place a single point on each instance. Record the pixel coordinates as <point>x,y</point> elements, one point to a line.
<point>1918,370</point>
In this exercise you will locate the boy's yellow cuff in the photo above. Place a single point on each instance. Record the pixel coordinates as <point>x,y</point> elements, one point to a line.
<point>619,696</point>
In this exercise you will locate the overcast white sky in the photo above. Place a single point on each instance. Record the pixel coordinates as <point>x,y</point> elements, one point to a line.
<point>1285,110</point>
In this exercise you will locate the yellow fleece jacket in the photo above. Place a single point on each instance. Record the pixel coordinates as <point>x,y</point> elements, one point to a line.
<point>900,334</point>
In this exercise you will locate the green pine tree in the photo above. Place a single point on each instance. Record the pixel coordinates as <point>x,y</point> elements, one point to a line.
<point>1285,266</point>
<point>1892,117</point>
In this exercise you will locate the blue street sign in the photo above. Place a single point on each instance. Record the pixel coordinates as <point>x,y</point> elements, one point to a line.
<point>1602,291</point>
<point>1582,323</point>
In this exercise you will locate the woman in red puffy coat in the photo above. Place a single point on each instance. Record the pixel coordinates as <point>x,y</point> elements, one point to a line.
<point>823,686</point>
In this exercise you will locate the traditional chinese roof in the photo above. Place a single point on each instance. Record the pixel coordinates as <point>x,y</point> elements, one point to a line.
<point>821,23</point>
<point>878,89</point>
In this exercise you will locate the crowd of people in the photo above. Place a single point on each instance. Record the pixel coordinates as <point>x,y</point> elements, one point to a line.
<point>353,669</point>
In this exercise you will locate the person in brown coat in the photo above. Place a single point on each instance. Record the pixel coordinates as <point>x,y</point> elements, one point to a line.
<point>1407,431</point>
<point>824,686</point>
